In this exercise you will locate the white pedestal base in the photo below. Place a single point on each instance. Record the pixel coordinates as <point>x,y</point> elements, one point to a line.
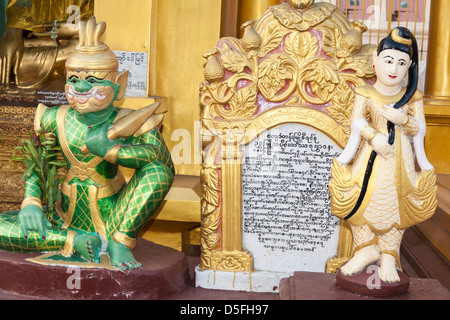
<point>255,281</point>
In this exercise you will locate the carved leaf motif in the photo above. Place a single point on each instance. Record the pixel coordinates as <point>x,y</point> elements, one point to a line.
<point>210,215</point>
<point>242,105</point>
<point>331,38</point>
<point>273,74</point>
<point>319,13</point>
<point>322,76</point>
<point>302,20</point>
<point>210,183</point>
<point>362,62</point>
<point>341,110</point>
<point>301,45</point>
<point>234,61</point>
<point>273,40</point>
<point>286,16</point>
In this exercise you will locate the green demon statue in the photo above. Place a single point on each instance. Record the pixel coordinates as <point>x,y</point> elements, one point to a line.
<point>98,212</point>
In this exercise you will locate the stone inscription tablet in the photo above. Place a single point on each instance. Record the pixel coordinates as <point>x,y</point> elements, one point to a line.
<point>287,222</point>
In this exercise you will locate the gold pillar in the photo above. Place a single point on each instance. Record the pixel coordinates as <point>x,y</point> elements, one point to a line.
<point>252,10</point>
<point>437,87</point>
<point>232,202</point>
<point>229,24</point>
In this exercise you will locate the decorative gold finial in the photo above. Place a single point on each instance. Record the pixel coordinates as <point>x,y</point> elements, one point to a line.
<point>213,69</point>
<point>251,39</point>
<point>90,33</point>
<point>301,4</point>
<point>92,54</point>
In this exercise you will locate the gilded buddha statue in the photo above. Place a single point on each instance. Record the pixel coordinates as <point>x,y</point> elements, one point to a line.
<point>38,38</point>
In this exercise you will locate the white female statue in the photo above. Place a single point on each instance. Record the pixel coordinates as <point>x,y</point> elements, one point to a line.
<point>374,183</point>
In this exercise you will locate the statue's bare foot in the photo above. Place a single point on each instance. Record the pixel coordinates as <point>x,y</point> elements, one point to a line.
<point>388,270</point>
<point>360,260</point>
<point>88,246</point>
<point>121,256</point>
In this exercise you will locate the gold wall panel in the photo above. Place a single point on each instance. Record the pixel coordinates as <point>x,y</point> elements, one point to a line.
<point>186,29</point>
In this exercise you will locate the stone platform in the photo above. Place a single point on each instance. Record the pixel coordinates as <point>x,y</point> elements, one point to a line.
<point>165,272</point>
<point>321,286</point>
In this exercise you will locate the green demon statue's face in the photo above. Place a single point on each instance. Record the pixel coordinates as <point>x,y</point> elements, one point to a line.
<point>94,91</point>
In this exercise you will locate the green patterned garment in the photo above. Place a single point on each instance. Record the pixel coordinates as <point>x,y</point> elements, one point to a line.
<point>120,213</point>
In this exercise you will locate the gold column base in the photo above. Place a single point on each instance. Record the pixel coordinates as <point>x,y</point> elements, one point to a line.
<point>232,261</point>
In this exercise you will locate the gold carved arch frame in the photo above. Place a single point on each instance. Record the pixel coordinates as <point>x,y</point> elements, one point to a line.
<point>224,223</point>
<point>291,66</point>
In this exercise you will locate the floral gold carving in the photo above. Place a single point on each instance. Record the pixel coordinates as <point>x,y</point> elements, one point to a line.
<point>300,62</point>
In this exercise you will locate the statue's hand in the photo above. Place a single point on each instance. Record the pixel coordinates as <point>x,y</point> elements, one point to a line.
<point>97,141</point>
<point>396,116</point>
<point>381,145</point>
<point>65,30</point>
<point>11,52</point>
<point>32,219</point>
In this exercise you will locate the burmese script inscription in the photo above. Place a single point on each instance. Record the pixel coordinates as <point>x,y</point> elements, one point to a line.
<point>287,222</point>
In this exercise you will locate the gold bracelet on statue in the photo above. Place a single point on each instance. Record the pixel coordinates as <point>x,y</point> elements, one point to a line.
<point>32,200</point>
<point>372,136</point>
<point>112,155</point>
<point>405,123</point>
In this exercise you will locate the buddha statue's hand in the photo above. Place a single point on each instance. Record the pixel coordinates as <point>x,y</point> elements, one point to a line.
<point>32,219</point>
<point>11,52</point>
<point>97,141</point>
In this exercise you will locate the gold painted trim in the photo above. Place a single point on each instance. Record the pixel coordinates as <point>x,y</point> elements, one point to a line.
<point>365,244</point>
<point>396,37</point>
<point>405,123</point>
<point>32,200</point>
<point>68,250</point>
<point>297,114</point>
<point>83,171</point>
<point>369,91</point>
<point>38,116</point>
<point>72,194</point>
<point>124,239</point>
<point>46,260</point>
<point>112,187</point>
<point>113,153</point>
<point>95,212</point>
<point>372,136</point>
<point>78,169</point>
